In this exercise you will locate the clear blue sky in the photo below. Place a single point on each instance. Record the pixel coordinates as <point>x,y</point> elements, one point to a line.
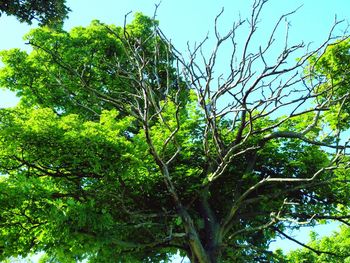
<point>191,20</point>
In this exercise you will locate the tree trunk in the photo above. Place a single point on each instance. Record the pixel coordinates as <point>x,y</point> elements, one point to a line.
<point>211,256</point>
<point>198,253</point>
<point>214,255</point>
<point>206,248</point>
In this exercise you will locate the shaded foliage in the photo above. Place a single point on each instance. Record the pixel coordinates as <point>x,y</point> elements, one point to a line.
<point>46,12</point>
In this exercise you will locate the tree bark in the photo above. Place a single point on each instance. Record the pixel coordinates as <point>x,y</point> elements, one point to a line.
<point>204,246</point>
<point>198,252</point>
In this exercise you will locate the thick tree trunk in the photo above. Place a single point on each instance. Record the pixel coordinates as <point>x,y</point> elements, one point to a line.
<point>211,256</point>
<point>211,239</point>
<point>198,253</point>
<point>214,255</point>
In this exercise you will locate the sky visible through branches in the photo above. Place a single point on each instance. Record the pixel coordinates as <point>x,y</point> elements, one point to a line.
<point>190,21</point>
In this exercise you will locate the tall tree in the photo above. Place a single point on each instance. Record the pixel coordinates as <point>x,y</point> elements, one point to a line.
<point>122,149</point>
<point>46,12</point>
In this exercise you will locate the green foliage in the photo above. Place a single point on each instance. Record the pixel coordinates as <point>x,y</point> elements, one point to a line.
<point>46,12</point>
<point>333,249</point>
<point>88,68</point>
<point>333,69</point>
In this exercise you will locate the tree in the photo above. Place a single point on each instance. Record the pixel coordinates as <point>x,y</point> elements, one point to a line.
<point>47,12</point>
<point>334,248</point>
<point>121,148</point>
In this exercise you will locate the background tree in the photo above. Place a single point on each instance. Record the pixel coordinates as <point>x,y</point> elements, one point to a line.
<point>122,148</point>
<point>44,11</point>
<point>334,248</point>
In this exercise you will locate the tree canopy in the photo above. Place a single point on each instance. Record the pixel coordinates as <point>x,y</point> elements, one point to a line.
<point>123,149</point>
<point>46,12</point>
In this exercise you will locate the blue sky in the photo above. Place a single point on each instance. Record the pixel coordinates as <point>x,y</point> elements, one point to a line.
<point>189,21</point>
